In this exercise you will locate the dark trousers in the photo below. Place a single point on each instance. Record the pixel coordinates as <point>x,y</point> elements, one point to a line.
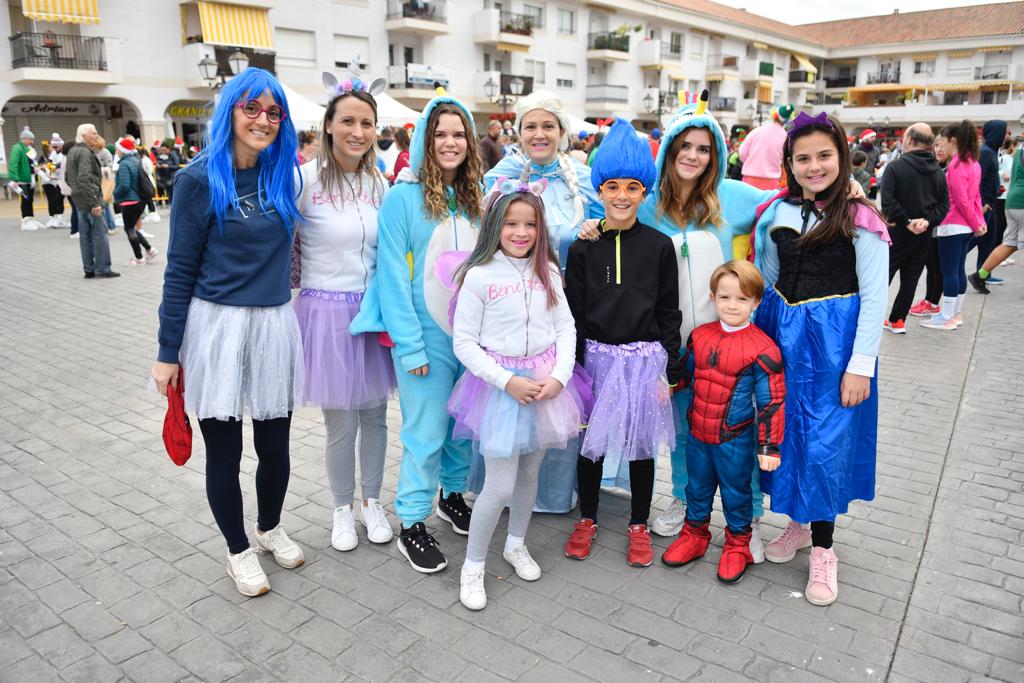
<point>908,255</point>
<point>953,255</point>
<point>28,190</point>
<point>1000,222</point>
<point>54,200</point>
<point>641,488</point>
<point>987,242</point>
<point>74,217</point>
<point>130,214</point>
<point>223,440</point>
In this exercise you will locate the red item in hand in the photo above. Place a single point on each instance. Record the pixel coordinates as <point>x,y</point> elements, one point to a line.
<point>384,339</point>
<point>177,430</point>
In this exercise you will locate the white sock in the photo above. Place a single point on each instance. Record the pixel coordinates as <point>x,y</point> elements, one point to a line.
<point>470,565</point>
<point>959,302</point>
<point>947,307</point>
<point>513,542</point>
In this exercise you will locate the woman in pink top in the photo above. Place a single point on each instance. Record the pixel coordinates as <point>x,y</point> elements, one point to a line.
<point>964,221</point>
<point>761,151</point>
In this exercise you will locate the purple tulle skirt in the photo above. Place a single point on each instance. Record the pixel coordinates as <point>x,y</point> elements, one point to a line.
<point>502,427</point>
<point>632,415</point>
<point>343,372</point>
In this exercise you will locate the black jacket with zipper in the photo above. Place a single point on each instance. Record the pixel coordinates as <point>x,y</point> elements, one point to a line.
<point>624,288</point>
<point>914,186</point>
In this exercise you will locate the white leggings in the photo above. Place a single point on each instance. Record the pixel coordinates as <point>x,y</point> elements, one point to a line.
<point>509,481</point>
<point>342,426</point>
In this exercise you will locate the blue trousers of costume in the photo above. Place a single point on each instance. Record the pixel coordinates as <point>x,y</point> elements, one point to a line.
<point>430,455</point>
<point>725,467</point>
<point>679,458</point>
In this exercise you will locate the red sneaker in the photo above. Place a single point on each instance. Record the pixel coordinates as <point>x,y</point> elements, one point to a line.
<point>692,543</point>
<point>898,327</point>
<point>580,540</point>
<point>924,308</point>
<point>640,553</point>
<point>735,557</point>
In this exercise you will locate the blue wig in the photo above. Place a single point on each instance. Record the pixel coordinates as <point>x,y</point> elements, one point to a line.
<point>623,155</point>
<point>277,162</point>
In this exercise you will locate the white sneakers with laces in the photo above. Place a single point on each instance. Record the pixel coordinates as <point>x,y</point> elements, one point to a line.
<point>249,577</point>
<point>343,534</point>
<point>286,552</point>
<point>670,522</point>
<point>472,593</point>
<point>519,557</point>
<point>373,517</point>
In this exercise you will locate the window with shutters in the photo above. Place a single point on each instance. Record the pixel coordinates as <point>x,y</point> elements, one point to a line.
<point>295,48</point>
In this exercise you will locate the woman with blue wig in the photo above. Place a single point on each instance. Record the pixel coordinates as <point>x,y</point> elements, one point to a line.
<point>225,315</point>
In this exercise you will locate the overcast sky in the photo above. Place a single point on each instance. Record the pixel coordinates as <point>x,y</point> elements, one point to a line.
<point>793,12</point>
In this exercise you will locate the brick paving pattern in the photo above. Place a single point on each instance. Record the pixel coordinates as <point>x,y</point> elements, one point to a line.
<point>111,567</point>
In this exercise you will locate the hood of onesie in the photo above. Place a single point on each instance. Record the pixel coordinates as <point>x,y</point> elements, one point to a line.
<point>994,132</point>
<point>694,114</point>
<point>417,146</point>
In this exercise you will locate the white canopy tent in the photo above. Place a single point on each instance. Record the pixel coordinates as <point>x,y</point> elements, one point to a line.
<point>307,114</point>
<point>391,112</point>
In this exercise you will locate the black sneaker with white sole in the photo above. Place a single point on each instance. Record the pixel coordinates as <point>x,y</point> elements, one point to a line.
<point>454,510</point>
<point>420,548</point>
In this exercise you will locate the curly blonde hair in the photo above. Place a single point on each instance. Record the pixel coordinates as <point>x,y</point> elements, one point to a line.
<point>702,206</point>
<point>469,176</point>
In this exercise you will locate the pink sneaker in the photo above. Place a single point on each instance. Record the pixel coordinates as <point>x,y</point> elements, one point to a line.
<point>784,546</point>
<point>923,308</point>
<point>957,319</point>
<point>823,577</point>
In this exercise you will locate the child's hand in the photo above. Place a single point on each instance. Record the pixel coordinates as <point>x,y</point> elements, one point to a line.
<point>854,389</point>
<point>768,463</point>
<point>590,230</point>
<point>549,388</point>
<point>523,390</point>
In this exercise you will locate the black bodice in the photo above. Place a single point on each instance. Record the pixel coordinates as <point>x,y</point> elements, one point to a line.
<point>813,272</point>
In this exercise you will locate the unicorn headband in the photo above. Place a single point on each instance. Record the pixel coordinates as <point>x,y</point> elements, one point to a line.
<point>803,119</point>
<point>353,82</point>
<point>506,186</point>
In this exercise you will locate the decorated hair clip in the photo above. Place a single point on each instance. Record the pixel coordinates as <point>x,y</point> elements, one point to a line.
<point>353,83</point>
<point>803,119</point>
<point>506,186</point>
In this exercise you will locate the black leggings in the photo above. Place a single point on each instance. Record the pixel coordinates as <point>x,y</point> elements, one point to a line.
<point>223,456</point>
<point>821,533</point>
<point>28,190</point>
<point>54,200</point>
<point>130,214</point>
<point>641,488</point>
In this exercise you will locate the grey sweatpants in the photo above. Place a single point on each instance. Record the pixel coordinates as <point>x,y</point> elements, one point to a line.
<point>342,426</point>
<point>509,481</point>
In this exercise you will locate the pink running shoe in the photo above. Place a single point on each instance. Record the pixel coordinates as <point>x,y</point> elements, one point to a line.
<point>823,577</point>
<point>784,546</point>
<point>957,319</point>
<point>923,308</point>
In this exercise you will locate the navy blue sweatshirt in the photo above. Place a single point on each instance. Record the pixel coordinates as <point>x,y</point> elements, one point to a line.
<point>245,264</point>
<point>993,134</point>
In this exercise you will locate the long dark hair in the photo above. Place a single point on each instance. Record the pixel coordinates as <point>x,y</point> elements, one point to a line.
<point>837,215</point>
<point>966,135</point>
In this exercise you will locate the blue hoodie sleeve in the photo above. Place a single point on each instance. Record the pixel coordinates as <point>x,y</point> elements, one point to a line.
<point>873,276</point>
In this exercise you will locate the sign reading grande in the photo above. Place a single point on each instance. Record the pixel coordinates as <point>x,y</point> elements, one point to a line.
<point>190,111</point>
<point>80,109</point>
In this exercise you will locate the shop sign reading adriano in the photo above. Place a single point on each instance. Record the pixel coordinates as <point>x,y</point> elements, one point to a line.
<point>80,109</point>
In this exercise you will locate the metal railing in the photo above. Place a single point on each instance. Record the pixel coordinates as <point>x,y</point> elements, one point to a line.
<point>723,104</point>
<point>840,82</point>
<point>603,92</point>
<point>522,24</point>
<point>263,60</point>
<point>58,51</point>
<point>884,77</point>
<point>721,62</point>
<point>436,10</point>
<point>801,77</point>
<point>997,71</point>
<point>608,40</point>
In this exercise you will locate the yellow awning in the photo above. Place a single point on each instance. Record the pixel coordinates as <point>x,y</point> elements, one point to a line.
<point>712,78</point>
<point>955,87</point>
<point>235,25</point>
<point>760,46</point>
<point>886,87</point>
<point>64,11</point>
<point>1000,85</point>
<point>805,64</point>
<point>512,47</point>
<point>996,48</point>
<point>925,57</point>
<point>960,53</point>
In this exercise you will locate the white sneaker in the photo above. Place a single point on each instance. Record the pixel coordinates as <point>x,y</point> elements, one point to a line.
<point>472,593</point>
<point>373,517</point>
<point>286,552</point>
<point>670,522</point>
<point>1008,262</point>
<point>244,568</point>
<point>74,236</point>
<point>151,218</point>
<point>136,262</point>
<point>147,235</point>
<point>151,254</point>
<point>756,542</point>
<point>29,223</point>
<point>54,222</point>
<point>519,558</point>
<point>118,221</point>
<point>343,534</point>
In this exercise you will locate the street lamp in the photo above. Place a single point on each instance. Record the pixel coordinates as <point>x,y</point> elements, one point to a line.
<point>658,108</point>
<point>493,92</point>
<point>757,110</point>
<point>238,62</point>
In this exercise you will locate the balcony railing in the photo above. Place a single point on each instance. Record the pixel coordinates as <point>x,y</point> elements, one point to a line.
<point>723,104</point>
<point>608,40</point>
<point>58,51</point>
<point>607,93</point>
<point>436,10</point>
<point>417,77</point>
<point>721,62</point>
<point>263,60</point>
<point>670,51</point>
<point>884,77</point>
<point>998,71</point>
<point>801,77</point>
<point>840,82</point>
<point>521,24</point>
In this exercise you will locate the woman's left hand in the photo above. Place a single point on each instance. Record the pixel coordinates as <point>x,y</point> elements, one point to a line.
<point>590,230</point>
<point>856,191</point>
<point>854,389</point>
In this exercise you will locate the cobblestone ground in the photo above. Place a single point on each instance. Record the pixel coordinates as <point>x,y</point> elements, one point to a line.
<point>111,567</point>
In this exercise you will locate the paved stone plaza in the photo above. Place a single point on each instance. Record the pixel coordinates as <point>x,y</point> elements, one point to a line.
<point>111,567</point>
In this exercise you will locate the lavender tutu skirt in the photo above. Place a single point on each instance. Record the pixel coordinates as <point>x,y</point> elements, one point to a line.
<point>501,427</point>
<point>343,371</point>
<point>632,415</point>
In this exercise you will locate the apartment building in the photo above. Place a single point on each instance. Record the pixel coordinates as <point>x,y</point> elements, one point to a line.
<point>153,67</point>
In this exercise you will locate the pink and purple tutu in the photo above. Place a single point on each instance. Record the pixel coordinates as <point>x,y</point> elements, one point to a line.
<point>502,427</point>
<point>632,415</point>
<point>343,371</point>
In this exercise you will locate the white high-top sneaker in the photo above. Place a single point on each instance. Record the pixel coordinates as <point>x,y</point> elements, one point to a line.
<point>30,223</point>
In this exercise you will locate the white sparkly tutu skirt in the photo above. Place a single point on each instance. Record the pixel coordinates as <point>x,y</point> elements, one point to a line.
<point>241,360</point>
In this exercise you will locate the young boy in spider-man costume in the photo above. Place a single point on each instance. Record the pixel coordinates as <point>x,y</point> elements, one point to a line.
<point>728,362</point>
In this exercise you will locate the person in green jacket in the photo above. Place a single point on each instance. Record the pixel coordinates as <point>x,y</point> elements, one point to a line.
<point>1013,236</point>
<point>20,169</point>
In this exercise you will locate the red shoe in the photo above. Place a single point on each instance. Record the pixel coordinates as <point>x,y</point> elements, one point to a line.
<point>923,308</point>
<point>692,543</point>
<point>735,557</point>
<point>640,553</point>
<point>580,540</point>
<point>898,327</point>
